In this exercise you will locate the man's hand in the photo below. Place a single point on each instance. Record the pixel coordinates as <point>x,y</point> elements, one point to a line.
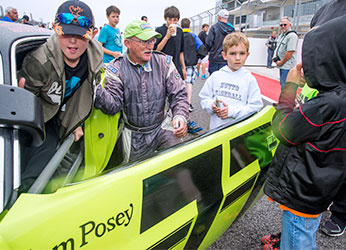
<point>78,133</point>
<point>287,57</point>
<point>21,82</point>
<point>279,63</point>
<point>295,75</point>
<point>180,128</point>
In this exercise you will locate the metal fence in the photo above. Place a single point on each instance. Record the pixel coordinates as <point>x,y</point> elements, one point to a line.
<point>259,18</point>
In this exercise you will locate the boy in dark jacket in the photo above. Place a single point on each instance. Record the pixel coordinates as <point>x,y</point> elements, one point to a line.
<point>194,49</point>
<point>62,73</point>
<point>309,165</point>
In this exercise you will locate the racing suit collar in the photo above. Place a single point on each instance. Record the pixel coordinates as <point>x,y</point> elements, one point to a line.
<point>146,66</point>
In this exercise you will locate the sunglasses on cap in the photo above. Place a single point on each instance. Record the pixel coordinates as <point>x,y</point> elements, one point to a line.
<point>68,18</point>
<point>283,24</point>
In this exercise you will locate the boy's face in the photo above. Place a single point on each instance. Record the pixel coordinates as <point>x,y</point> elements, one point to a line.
<point>72,47</point>
<point>170,21</point>
<point>113,19</point>
<point>236,56</point>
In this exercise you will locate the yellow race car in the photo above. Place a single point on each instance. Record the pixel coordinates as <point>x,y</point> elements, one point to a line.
<point>184,197</point>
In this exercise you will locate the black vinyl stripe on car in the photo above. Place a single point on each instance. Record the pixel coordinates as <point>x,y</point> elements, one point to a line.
<point>174,238</point>
<point>234,195</point>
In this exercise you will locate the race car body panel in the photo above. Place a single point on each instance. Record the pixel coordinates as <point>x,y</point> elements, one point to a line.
<point>184,197</point>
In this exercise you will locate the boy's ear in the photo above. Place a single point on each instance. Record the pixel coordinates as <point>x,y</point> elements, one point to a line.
<point>224,55</point>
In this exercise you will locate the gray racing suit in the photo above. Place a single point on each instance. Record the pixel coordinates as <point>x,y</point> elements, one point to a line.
<point>141,93</point>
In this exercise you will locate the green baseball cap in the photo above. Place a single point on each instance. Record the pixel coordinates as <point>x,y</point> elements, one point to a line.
<point>141,30</point>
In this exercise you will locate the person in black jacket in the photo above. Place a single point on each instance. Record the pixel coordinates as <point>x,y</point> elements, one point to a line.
<point>194,49</point>
<point>336,224</point>
<point>214,40</point>
<point>204,61</point>
<point>271,44</point>
<point>308,168</point>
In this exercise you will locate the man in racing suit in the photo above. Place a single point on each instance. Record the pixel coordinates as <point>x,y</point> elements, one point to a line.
<point>138,84</point>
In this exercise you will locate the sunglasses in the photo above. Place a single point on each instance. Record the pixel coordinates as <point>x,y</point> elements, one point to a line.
<point>284,24</point>
<point>68,18</point>
<point>147,42</point>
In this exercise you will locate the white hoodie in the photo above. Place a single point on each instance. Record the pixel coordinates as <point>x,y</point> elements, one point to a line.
<point>239,89</point>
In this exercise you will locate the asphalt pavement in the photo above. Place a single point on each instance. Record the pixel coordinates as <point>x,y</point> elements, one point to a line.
<point>265,217</point>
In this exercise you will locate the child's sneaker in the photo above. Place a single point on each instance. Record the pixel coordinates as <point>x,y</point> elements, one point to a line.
<point>332,228</point>
<point>191,108</point>
<point>193,128</point>
<point>271,240</point>
<point>204,77</point>
<point>275,246</point>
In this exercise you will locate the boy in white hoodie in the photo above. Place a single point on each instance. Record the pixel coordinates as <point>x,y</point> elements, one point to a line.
<point>231,92</point>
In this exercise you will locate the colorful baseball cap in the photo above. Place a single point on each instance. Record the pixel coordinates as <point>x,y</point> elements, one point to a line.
<point>74,18</point>
<point>141,30</point>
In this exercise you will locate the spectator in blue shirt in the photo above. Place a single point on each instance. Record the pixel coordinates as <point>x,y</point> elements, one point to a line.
<point>110,36</point>
<point>11,15</point>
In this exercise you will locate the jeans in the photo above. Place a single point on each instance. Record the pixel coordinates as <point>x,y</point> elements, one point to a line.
<point>215,67</point>
<point>283,77</point>
<point>269,58</point>
<point>298,233</point>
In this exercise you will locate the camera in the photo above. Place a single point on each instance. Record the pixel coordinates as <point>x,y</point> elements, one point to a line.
<point>275,59</point>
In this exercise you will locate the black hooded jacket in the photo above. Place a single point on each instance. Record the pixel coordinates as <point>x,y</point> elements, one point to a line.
<point>214,40</point>
<point>328,11</point>
<point>310,163</point>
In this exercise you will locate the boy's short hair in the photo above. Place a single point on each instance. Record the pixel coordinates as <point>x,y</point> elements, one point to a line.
<point>112,9</point>
<point>171,12</point>
<point>235,39</point>
<point>185,23</point>
<point>205,25</point>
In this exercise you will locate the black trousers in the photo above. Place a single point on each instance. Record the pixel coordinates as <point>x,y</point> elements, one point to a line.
<point>338,208</point>
<point>34,159</point>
